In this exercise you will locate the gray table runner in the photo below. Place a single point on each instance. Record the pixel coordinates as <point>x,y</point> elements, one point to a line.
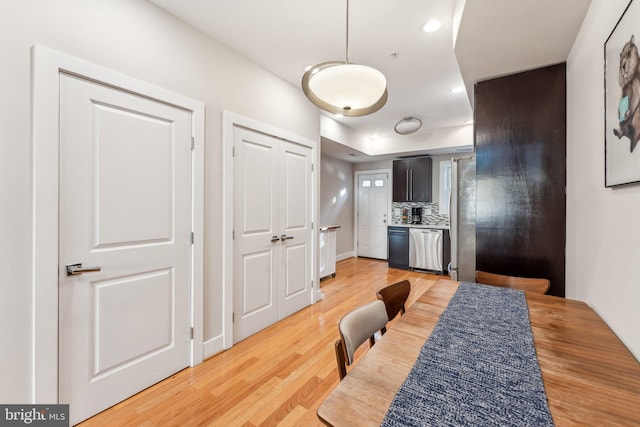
<point>478,367</point>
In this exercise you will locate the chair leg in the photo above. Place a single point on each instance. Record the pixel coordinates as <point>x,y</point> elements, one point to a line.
<point>340,359</point>
<point>372,340</point>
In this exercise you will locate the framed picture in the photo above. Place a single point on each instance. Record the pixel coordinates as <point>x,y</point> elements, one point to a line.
<point>622,99</point>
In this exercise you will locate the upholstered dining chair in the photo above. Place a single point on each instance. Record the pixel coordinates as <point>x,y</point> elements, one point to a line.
<point>355,327</point>
<point>528,284</point>
<point>394,297</point>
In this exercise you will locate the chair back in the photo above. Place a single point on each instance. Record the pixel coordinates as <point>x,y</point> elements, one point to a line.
<point>355,328</point>
<point>528,284</point>
<point>394,297</point>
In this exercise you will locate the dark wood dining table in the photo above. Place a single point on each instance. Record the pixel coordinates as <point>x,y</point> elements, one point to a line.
<point>589,376</point>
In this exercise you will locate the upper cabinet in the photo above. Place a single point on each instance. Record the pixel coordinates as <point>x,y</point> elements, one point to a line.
<point>412,180</point>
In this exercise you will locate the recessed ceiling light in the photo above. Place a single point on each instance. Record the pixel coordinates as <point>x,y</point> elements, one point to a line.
<point>431,26</point>
<point>457,89</point>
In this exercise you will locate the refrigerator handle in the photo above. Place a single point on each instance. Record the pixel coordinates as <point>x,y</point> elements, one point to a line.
<point>453,219</point>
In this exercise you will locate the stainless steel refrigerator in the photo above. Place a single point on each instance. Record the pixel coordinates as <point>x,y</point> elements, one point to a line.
<point>462,219</point>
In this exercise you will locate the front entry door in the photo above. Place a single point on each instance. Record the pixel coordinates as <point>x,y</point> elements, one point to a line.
<point>272,217</point>
<point>125,206</point>
<point>373,202</point>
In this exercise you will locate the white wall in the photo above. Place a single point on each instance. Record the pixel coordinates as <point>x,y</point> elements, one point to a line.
<point>336,131</point>
<point>337,175</point>
<point>603,230</point>
<point>436,140</point>
<point>337,202</point>
<point>135,38</point>
<point>378,164</point>
<point>442,140</point>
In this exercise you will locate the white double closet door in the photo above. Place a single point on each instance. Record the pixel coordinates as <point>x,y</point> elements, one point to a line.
<point>272,230</point>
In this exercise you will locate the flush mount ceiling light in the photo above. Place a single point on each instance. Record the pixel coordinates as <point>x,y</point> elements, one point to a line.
<point>408,125</point>
<point>344,88</point>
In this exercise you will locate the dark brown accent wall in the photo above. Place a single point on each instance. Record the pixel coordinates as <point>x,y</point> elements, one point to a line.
<point>520,137</point>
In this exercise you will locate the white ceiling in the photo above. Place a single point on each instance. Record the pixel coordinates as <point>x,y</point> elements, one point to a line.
<point>499,37</point>
<point>495,37</point>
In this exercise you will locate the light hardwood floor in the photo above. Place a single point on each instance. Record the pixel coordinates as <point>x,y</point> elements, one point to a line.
<point>278,376</point>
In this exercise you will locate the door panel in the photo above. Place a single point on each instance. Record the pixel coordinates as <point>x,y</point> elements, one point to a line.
<point>115,309</point>
<point>127,211</point>
<point>295,285</point>
<point>257,286</point>
<point>296,279</point>
<point>365,219</point>
<point>125,205</point>
<point>401,180</point>
<point>421,177</point>
<point>380,203</point>
<point>297,189</point>
<point>255,254</point>
<point>258,178</point>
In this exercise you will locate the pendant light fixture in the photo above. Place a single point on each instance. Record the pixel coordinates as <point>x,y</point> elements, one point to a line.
<point>344,88</point>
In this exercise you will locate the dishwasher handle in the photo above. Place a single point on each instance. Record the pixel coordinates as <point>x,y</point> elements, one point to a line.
<point>405,231</point>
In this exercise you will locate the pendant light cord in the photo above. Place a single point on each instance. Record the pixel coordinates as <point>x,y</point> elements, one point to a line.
<point>347,44</point>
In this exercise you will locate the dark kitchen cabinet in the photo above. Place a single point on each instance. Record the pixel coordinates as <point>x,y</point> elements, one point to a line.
<point>412,180</point>
<point>398,247</point>
<point>401,179</point>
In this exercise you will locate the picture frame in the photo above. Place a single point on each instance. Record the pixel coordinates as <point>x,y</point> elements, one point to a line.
<point>622,99</point>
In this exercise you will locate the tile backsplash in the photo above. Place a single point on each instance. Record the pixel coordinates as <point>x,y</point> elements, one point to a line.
<point>430,213</point>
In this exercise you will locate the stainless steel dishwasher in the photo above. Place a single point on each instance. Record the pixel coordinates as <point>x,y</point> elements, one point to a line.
<point>425,249</point>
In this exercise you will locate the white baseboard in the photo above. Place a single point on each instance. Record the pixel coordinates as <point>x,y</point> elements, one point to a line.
<point>213,346</point>
<point>345,255</point>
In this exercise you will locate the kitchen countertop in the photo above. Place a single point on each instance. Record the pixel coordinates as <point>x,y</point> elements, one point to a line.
<point>434,226</point>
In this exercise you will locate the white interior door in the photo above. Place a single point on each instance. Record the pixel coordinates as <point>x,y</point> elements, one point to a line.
<point>125,206</point>
<point>257,237</point>
<point>295,222</point>
<point>272,244</point>
<point>373,204</point>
